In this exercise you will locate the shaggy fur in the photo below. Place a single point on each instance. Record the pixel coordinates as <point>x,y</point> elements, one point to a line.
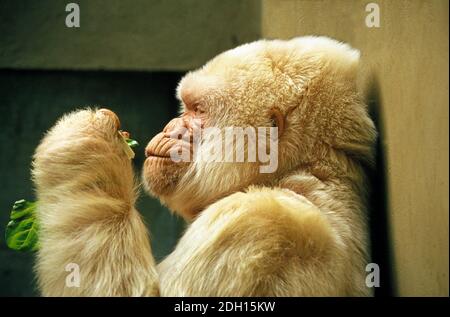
<point>300,231</point>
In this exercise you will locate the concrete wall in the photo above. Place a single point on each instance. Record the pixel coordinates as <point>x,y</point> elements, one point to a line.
<point>406,72</point>
<point>115,34</point>
<point>405,81</point>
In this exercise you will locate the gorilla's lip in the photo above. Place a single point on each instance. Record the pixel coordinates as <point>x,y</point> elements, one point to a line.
<point>153,157</point>
<point>158,156</point>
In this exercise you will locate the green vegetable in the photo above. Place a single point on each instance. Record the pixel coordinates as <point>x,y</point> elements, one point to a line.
<point>132,143</point>
<point>22,231</point>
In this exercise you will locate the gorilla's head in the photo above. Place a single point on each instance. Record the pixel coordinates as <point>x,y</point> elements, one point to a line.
<point>304,87</point>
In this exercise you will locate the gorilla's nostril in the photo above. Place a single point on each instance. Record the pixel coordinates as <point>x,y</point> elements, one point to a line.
<point>113,116</point>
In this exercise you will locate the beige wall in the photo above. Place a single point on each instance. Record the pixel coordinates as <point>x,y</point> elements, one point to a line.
<point>407,59</point>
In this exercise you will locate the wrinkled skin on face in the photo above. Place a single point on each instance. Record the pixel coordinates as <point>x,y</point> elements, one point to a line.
<point>196,183</point>
<point>263,84</point>
<point>224,93</point>
<point>160,170</point>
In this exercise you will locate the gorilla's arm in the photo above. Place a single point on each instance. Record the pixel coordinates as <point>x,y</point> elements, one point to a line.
<point>85,189</point>
<point>264,242</point>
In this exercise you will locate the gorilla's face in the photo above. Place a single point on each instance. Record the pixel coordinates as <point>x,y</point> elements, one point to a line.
<point>303,89</point>
<point>228,95</point>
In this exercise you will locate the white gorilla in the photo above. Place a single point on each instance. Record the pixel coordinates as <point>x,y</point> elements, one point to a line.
<point>299,231</point>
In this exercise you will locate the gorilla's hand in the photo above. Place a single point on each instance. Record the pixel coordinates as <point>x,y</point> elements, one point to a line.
<point>84,151</point>
<point>85,187</point>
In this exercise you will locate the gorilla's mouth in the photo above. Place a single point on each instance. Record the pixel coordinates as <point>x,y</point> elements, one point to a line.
<point>161,148</point>
<point>159,158</point>
<point>155,156</point>
<point>161,174</point>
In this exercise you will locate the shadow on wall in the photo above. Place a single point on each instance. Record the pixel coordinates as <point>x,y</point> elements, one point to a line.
<point>378,200</point>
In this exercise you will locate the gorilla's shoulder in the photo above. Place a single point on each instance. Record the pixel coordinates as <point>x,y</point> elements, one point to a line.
<point>264,221</point>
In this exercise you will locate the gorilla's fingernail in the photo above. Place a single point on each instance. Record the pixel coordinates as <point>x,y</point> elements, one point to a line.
<point>111,114</point>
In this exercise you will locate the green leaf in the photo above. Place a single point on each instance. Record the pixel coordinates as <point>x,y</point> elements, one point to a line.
<point>132,143</point>
<point>22,231</point>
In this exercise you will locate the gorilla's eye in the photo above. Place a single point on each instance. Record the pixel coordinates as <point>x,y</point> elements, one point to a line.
<point>277,120</point>
<point>273,122</point>
<point>199,110</point>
